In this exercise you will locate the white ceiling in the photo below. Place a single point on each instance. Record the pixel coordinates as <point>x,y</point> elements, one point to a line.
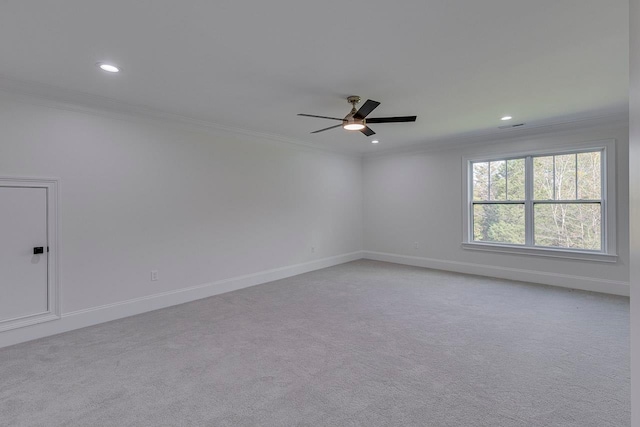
<point>459,65</point>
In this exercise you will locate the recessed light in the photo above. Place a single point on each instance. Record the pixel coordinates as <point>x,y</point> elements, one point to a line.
<point>375,141</point>
<point>505,118</point>
<point>109,68</point>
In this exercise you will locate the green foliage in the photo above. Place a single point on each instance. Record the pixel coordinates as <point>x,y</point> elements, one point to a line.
<point>499,223</point>
<point>515,174</point>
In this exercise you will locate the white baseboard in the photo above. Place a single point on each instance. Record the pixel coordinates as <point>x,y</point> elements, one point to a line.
<point>105,313</point>
<point>563,280</point>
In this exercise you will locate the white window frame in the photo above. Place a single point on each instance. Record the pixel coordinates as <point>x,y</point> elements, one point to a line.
<point>608,252</point>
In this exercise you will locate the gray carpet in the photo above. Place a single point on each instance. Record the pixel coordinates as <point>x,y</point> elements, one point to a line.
<point>360,344</point>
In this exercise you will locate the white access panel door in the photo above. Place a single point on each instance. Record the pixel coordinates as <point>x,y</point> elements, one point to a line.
<point>23,275</point>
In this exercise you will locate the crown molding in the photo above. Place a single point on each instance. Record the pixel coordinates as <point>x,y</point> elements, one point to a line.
<point>494,136</point>
<point>64,99</point>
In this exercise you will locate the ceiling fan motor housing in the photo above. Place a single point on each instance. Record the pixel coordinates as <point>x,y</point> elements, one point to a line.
<point>356,119</point>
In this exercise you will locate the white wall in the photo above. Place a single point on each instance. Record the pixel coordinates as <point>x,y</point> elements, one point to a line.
<point>197,205</point>
<point>416,197</point>
<point>202,206</point>
<point>634,191</point>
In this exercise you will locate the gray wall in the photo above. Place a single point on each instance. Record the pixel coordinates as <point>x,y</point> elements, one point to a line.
<point>197,205</point>
<point>416,197</point>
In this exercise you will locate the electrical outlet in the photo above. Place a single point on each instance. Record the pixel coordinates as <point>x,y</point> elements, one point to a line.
<point>154,275</point>
<point>313,249</point>
<point>416,245</point>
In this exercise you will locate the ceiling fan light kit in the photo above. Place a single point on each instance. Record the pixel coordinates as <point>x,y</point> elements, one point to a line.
<point>356,119</point>
<point>353,124</point>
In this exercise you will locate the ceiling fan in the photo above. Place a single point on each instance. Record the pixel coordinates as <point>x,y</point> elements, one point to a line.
<point>356,119</point>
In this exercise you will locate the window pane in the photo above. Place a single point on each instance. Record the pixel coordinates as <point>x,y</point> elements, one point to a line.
<point>499,223</point>
<point>515,179</point>
<point>575,226</point>
<point>543,178</point>
<point>498,184</point>
<point>565,177</point>
<point>481,181</point>
<point>589,176</point>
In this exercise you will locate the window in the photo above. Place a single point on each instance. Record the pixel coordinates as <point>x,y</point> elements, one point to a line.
<point>540,203</point>
<point>499,201</point>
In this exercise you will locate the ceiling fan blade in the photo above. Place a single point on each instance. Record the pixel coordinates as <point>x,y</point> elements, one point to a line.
<point>392,119</point>
<point>367,108</point>
<point>321,117</point>
<point>367,131</point>
<point>322,130</point>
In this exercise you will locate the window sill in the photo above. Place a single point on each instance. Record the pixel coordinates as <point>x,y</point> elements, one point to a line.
<point>543,252</point>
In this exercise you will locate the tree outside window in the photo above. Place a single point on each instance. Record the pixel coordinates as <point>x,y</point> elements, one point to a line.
<point>543,201</point>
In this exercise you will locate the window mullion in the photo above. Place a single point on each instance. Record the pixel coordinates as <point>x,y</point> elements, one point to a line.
<point>554,178</point>
<point>528,204</point>
<point>576,169</point>
<point>604,245</point>
<point>470,207</point>
<point>489,180</point>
